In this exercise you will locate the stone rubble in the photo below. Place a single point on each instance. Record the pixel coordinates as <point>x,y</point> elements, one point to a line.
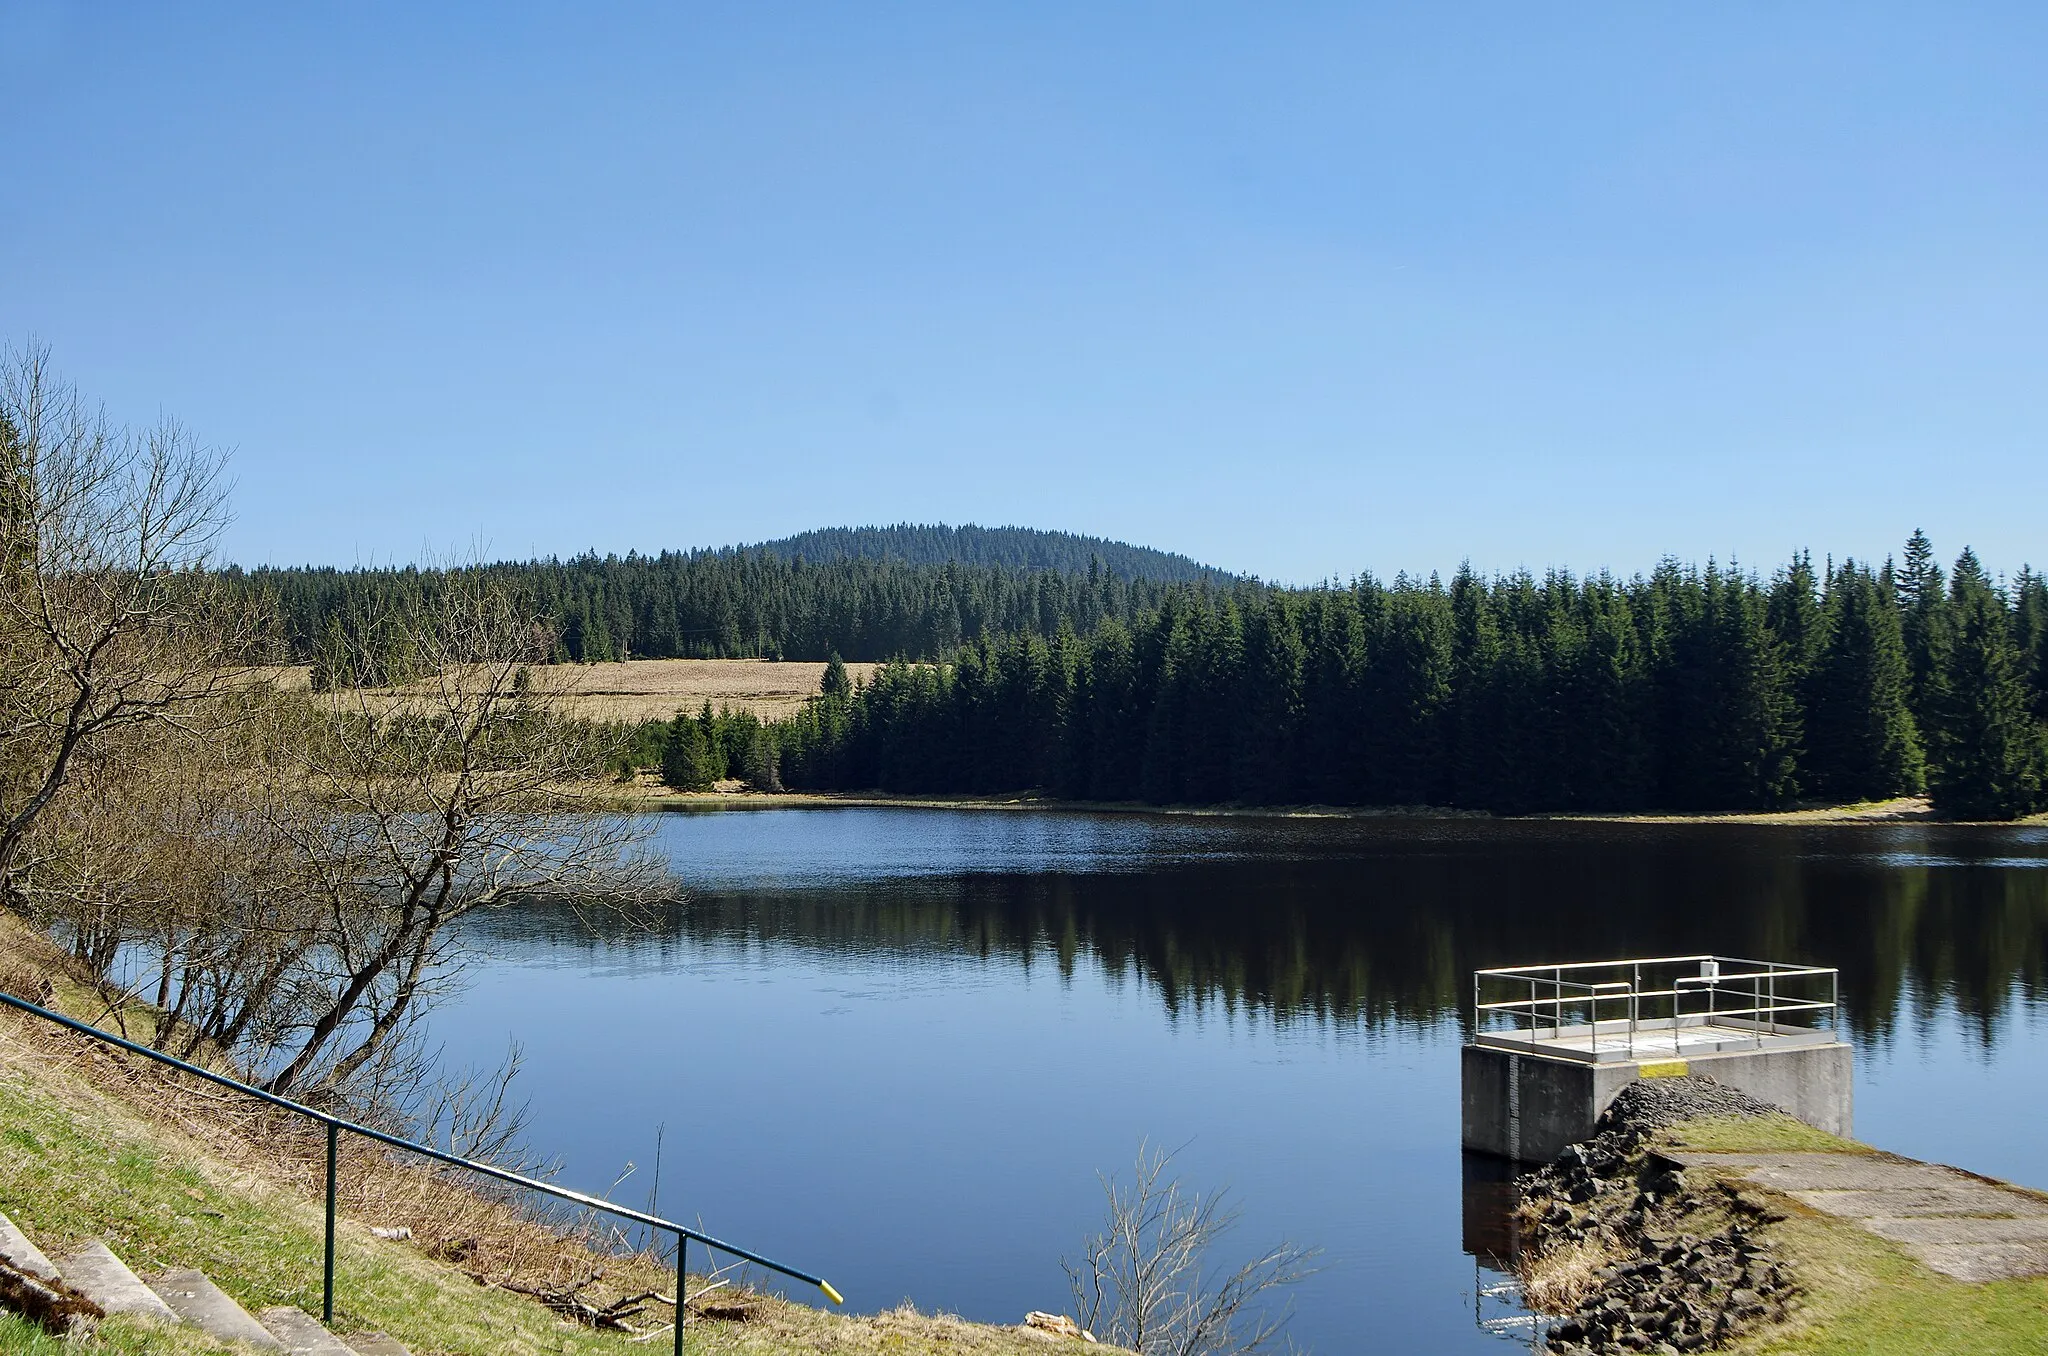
<point>1693,1269</point>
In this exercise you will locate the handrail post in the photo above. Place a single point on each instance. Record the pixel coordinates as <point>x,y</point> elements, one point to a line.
<point>327,1284</point>
<point>683,1250</point>
<point>1635,1005</point>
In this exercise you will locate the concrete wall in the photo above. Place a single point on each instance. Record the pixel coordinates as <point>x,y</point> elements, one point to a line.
<point>1529,1107</point>
<point>1816,1083</point>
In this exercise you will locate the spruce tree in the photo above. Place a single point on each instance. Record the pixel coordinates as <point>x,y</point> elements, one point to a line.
<point>835,686</point>
<point>1860,738</point>
<point>1731,725</point>
<point>2030,634</point>
<point>1605,686</point>
<point>1991,762</point>
<point>685,761</point>
<point>1474,723</point>
<point>1923,624</point>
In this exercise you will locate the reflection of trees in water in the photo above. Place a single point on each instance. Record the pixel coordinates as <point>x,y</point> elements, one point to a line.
<point>1393,937</point>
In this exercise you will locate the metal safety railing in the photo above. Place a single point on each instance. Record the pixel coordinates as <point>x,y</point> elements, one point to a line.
<point>335,1125</point>
<point>1595,1010</point>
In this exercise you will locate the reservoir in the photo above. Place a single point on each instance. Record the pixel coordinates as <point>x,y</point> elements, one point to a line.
<point>896,1046</point>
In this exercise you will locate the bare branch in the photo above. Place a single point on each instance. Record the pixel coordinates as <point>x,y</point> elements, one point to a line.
<point>1144,1281</point>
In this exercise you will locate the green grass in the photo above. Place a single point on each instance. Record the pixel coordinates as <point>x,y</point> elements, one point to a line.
<point>1758,1134</point>
<point>71,1173</point>
<point>1864,1295</point>
<point>78,1164</point>
<point>118,1336</point>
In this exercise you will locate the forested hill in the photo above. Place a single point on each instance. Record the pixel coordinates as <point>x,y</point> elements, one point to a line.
<point>1008,548</point>
<point>747,603</point>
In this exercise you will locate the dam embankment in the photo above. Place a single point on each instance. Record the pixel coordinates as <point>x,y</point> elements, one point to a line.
<point>1698,1217</point>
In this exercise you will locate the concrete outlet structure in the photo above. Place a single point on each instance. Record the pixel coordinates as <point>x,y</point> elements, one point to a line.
<point>1545,1063</point>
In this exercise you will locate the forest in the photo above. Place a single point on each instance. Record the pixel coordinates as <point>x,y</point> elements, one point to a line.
<point>1009,669</point>
<point>910,592</point>
<point>1686,689</point>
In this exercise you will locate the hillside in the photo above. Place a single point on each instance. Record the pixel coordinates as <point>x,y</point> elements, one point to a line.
<point>1006,548</point>
<point>871,594</point>
<point>95,1144</point>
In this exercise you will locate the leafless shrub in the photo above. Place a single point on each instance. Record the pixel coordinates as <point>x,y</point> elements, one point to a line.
<point>1146,1281</point>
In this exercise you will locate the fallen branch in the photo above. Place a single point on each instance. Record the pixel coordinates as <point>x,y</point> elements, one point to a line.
<point>569,1303</point>
<point>50,1304</point>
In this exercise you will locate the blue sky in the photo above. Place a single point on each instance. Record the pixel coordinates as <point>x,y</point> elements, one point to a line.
<point>1299,290</point>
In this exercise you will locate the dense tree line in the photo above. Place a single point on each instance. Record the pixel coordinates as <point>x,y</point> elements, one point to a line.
<point>1009,548</point>
<point>1703,689</point>
<point>729,604</point>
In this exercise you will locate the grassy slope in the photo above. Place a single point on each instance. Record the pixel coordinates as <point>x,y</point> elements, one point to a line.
<point>1866,1297</point>
<point>77,1162</point>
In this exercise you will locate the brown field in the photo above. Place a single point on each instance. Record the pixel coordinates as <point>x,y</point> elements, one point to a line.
<point>655,689</point>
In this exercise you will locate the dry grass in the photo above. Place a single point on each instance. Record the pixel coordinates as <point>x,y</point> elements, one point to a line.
<point>655,689</point>
<point>1558,1280</point>
<point>1904,809</point>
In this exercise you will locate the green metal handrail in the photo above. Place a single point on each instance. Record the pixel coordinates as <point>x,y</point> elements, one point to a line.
<point>335,1125</point>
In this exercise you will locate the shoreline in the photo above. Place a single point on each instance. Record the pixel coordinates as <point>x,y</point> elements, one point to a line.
<point>1904,810</point>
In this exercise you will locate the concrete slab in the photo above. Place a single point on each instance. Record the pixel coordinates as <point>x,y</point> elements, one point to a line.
<point>1907,1201</point>
<point>207,1307</point>
<point>1952,1229</point>
<point>302,1334</point>
<point>1854,1172</point>
<point>376,1344</point>
<point>1651,1040</point>
<point>23,1255</point>
<point>94,1272</point>
<point>1979,1262</point>
<point>1965,1227</point>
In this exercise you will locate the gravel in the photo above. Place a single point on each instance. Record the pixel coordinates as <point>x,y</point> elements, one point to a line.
<point>1653,1104</point>
<point>1688,1271</point>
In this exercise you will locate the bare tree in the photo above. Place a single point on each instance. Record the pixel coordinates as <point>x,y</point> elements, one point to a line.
<point>108,618</point>
<point>284,868</point>
<point>414,806</point>
<point>1146,1281</point>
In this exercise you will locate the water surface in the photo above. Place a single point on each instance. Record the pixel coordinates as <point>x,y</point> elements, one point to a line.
<point>897,1046</point>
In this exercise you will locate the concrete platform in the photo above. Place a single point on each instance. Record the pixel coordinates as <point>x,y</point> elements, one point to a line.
<point>1526,1101</point>
<point>1614,1042</point>
<point>1961,1225</point>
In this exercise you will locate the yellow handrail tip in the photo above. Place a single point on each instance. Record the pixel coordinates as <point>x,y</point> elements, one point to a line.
<point>830,1293</point>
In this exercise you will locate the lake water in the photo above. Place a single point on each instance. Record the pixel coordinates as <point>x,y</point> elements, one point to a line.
<point>896,1046</point>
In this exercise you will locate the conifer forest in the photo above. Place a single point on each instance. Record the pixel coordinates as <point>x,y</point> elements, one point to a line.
<point>1687,689</point>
